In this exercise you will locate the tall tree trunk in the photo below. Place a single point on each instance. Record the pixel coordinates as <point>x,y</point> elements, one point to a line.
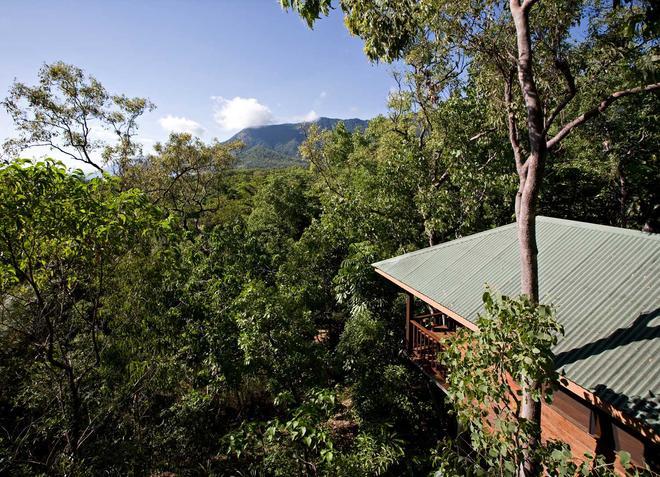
<point>527,199</point>
<point>530,174</point>
<point>526,223</point>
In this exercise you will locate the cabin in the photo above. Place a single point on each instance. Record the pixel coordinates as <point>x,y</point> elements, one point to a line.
<point>604,283</point>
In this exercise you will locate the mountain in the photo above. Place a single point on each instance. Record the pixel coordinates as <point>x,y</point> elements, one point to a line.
<point>276,145</point>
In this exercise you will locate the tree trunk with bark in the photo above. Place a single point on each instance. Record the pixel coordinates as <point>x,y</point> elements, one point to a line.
<point>530,173</point>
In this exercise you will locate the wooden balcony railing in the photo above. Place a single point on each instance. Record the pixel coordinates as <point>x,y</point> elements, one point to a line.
<point>424,348</point>
<point>424,334</point>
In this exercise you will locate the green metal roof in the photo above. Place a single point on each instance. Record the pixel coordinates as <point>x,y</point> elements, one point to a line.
<point>603,281</point>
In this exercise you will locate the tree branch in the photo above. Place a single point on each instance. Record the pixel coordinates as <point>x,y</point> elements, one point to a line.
<point>528,4</point>
<point>562,65</point>
<point>602,106</point>
<point>482,134</point>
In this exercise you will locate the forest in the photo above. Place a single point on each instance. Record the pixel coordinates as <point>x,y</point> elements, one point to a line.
<point>172,314</point>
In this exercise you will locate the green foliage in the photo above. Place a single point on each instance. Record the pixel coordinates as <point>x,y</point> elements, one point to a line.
<point>62,238</point>
<point>283,208</point>
<point>387,27</point>
<point>560,463</point>
<point>66,111</point>
<point>452,461</point>
<point>489,369</point>
<point>581,53</point>
<point>618,171</point>
<point>225,321</point>
<point>184,175</point>
<point>277,338</point>
<point>314,440</point>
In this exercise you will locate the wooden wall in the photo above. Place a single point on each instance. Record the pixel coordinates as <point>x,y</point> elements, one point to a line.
<point>589,430</point>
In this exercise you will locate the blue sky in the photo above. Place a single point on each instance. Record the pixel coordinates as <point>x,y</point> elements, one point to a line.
<point>194,58</point>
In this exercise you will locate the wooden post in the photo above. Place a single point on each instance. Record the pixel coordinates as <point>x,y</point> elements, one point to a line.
<point>410,314</point>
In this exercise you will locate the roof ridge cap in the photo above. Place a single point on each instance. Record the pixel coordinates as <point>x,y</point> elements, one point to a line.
<point>447,243</point>
<point>601,227</point>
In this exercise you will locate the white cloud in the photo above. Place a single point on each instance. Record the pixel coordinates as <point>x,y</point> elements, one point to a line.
<point>323,94</point>
<point>239,113</point>
<point>306,118</point>
<point>181,125</point>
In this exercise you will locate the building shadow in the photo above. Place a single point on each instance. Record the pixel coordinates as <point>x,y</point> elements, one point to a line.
<point>639,330</point>
<point>644,408</point>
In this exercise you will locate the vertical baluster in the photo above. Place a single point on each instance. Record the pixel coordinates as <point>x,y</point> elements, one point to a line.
<point>413,337</point>
<point>421,342</point>
<point>410,315</point>
<point>415,340</point>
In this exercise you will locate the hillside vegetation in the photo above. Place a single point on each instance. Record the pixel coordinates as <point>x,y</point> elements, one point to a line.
<point>276,146</point>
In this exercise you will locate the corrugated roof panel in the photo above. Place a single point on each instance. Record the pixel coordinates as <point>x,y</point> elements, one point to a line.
<point>603,281</point>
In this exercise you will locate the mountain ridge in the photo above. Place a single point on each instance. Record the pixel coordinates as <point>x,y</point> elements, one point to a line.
<point>274,146</point>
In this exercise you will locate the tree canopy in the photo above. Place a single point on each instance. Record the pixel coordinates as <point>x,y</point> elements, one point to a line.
<point>184,316</point>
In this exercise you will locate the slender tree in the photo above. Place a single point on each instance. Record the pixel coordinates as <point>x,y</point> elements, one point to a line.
<point>61,239</point>
<point>69,112</point>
